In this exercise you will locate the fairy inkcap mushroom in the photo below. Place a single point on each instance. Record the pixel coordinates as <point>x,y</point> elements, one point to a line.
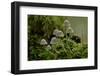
<point>43,42</point>
<point>60,34</point>
<point>66,24</point>
<point>55,32</point>
<point>49,47</point>
<point>53,40</point>
<point>69,30</point>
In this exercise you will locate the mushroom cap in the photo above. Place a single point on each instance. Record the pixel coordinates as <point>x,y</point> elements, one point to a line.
<point>66,24</point>
<point>60,34</point>
<point>66,21</point>
<point>49,47</point>
<point>69,30</point>
<point>55,32</point>
<point>43,42</point>
<point>53,40</point>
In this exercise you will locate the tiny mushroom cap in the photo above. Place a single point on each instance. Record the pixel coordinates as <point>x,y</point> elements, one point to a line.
<point>60,34</point>
<point>70,30</point>
<point>43,42</point>
<point>49,47</point>
<point>55,31</point>
<point>66,23</point>
<point>53,40</point>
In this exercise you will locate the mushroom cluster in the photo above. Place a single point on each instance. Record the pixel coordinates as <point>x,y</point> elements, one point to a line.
<point>58,34</point>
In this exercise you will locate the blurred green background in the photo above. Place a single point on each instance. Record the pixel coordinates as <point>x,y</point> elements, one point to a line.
<point>80,26</point>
